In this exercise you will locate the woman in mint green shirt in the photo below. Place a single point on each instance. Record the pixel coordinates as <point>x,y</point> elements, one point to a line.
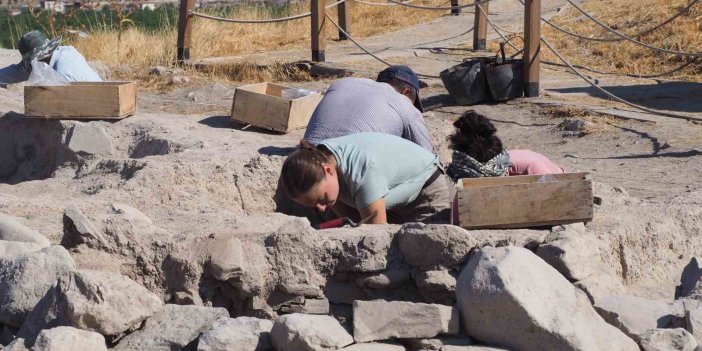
<point>369,174</point>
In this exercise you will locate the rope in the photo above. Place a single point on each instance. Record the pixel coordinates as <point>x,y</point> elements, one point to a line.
<point>380,3</point>
<point>657,75</point>
<point>594,85</point>
<point>647,31</point>
<point>349,37</point>
<point>441,8</point>
<point>624,37</point>
<point>272,20</point>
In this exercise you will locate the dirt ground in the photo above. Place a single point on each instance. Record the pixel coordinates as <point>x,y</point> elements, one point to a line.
<point>182,162</point>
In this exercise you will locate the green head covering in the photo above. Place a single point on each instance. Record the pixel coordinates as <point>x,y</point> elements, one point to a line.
<point>35,45</point>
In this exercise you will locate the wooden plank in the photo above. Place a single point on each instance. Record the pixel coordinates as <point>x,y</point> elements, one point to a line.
<point>525,205</point>
<point>301,110</point>
<point>84,100</point>
<point>260,110</point>
<point>480,29</point>
<point>532,47</point>
<point>497,181</point>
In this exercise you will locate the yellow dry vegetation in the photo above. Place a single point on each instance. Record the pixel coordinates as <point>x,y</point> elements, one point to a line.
<point>139,48</point>
<point>630,17</point>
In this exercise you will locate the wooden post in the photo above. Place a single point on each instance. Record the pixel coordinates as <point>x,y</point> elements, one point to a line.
<point>185,28</point>
<point>344,19</point>
<point>455,11</point>
<point>319,41</point>
<point>480,25</point>
<point>532,48</point>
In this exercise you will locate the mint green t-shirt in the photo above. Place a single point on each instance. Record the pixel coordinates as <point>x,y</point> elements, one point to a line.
<point>378,165</point>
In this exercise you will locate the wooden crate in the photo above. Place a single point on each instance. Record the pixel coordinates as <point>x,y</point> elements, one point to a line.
<point>262,105</point>
<point>81,100</point>
<point>523,201</point>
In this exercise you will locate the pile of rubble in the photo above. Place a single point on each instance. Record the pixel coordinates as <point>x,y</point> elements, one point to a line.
<point>414,287</point>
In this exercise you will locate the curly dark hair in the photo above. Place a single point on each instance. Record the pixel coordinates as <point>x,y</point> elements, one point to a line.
<point>475,136</point>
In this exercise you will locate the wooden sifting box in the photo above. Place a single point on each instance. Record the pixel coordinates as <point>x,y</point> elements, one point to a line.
<point>81,100</point>
<point>523,201</point>
<point>263,105</point>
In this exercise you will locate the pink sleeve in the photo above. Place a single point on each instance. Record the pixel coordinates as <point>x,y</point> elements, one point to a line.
<point>525,162</point>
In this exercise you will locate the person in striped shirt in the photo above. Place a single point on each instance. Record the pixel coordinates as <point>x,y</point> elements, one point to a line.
<point>389,105</point>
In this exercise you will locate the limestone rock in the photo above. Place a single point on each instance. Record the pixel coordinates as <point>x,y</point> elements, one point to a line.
<point>172,328</point>
<point>25,279</point>
<point>16,345</point>
<point>601,284</point>
<point>237,334</point>
<point>374,346</point>
<point>677,339</point>
<point>390,279</point>
<point>433,245</point>
<point>693,322</point>
<point>509,297</point>
<point>380,320</point>
<point>573,253</point>
<point>299,332</point>
<point>89,139</point>
<point>68,339</point>
<point>14,248</point>
<point>365,249</point>
<point>107,303</point>
<point>690,279</point>
<point>435,344</point>
<point>436,286</point>
<point>12,230</point>
<point>78,229</point>
<point>471,348</point>
<point>226,260</point>
<point>635,315</point>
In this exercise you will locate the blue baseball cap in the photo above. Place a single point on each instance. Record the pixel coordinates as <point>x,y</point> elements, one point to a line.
<point>404,74</point>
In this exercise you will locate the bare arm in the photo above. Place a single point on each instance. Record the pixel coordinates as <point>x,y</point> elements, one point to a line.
<point>377,208</point>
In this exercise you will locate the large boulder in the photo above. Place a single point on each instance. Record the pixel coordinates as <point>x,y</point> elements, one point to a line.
<point>14,248</point>
<point>69,339</point>
<point>172,328</point>
<point>237,334</point>
<point>677,339</point>
<point>299,332</point>
<point>380,320</point>
<point>636,315</point>
<point>107,303</point>
<point>12,230</point>
<point>572,252</point>
<point>16,345</point>
<point>25,279</point>
<point>693,322</point>
<point>600,285</point>
<point>509,297</point>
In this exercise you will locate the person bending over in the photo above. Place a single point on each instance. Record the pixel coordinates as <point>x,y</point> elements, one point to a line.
<point>389,105</point>
<point>369,174</point>
<point>65,60</point>
<point>478,152</point>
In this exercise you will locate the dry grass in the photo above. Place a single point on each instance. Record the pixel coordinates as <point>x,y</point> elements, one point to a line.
<point>630,17</point>
<point>213,39</point>
<point>598,122</point>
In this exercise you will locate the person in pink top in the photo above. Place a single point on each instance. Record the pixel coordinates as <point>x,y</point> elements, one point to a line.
<point>478,152</point>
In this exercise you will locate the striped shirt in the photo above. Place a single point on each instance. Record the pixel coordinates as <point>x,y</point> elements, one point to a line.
<point>356,105</point>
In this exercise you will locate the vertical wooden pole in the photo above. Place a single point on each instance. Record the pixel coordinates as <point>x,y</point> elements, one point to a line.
<point>185,28</point>
<point>344,10</point>
<point>319,41</point>
<point>455,11</point>
<point>480,25</point>
<point>532,48</point>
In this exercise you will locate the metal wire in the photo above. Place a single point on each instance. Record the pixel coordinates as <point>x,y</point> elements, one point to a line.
<point>594,85</point>
<point>272,20</point>
<point>440,8</point>
<point>647,31</point>
<point>349,37</point>
<point>625,37</point>
<point>657,75</point>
